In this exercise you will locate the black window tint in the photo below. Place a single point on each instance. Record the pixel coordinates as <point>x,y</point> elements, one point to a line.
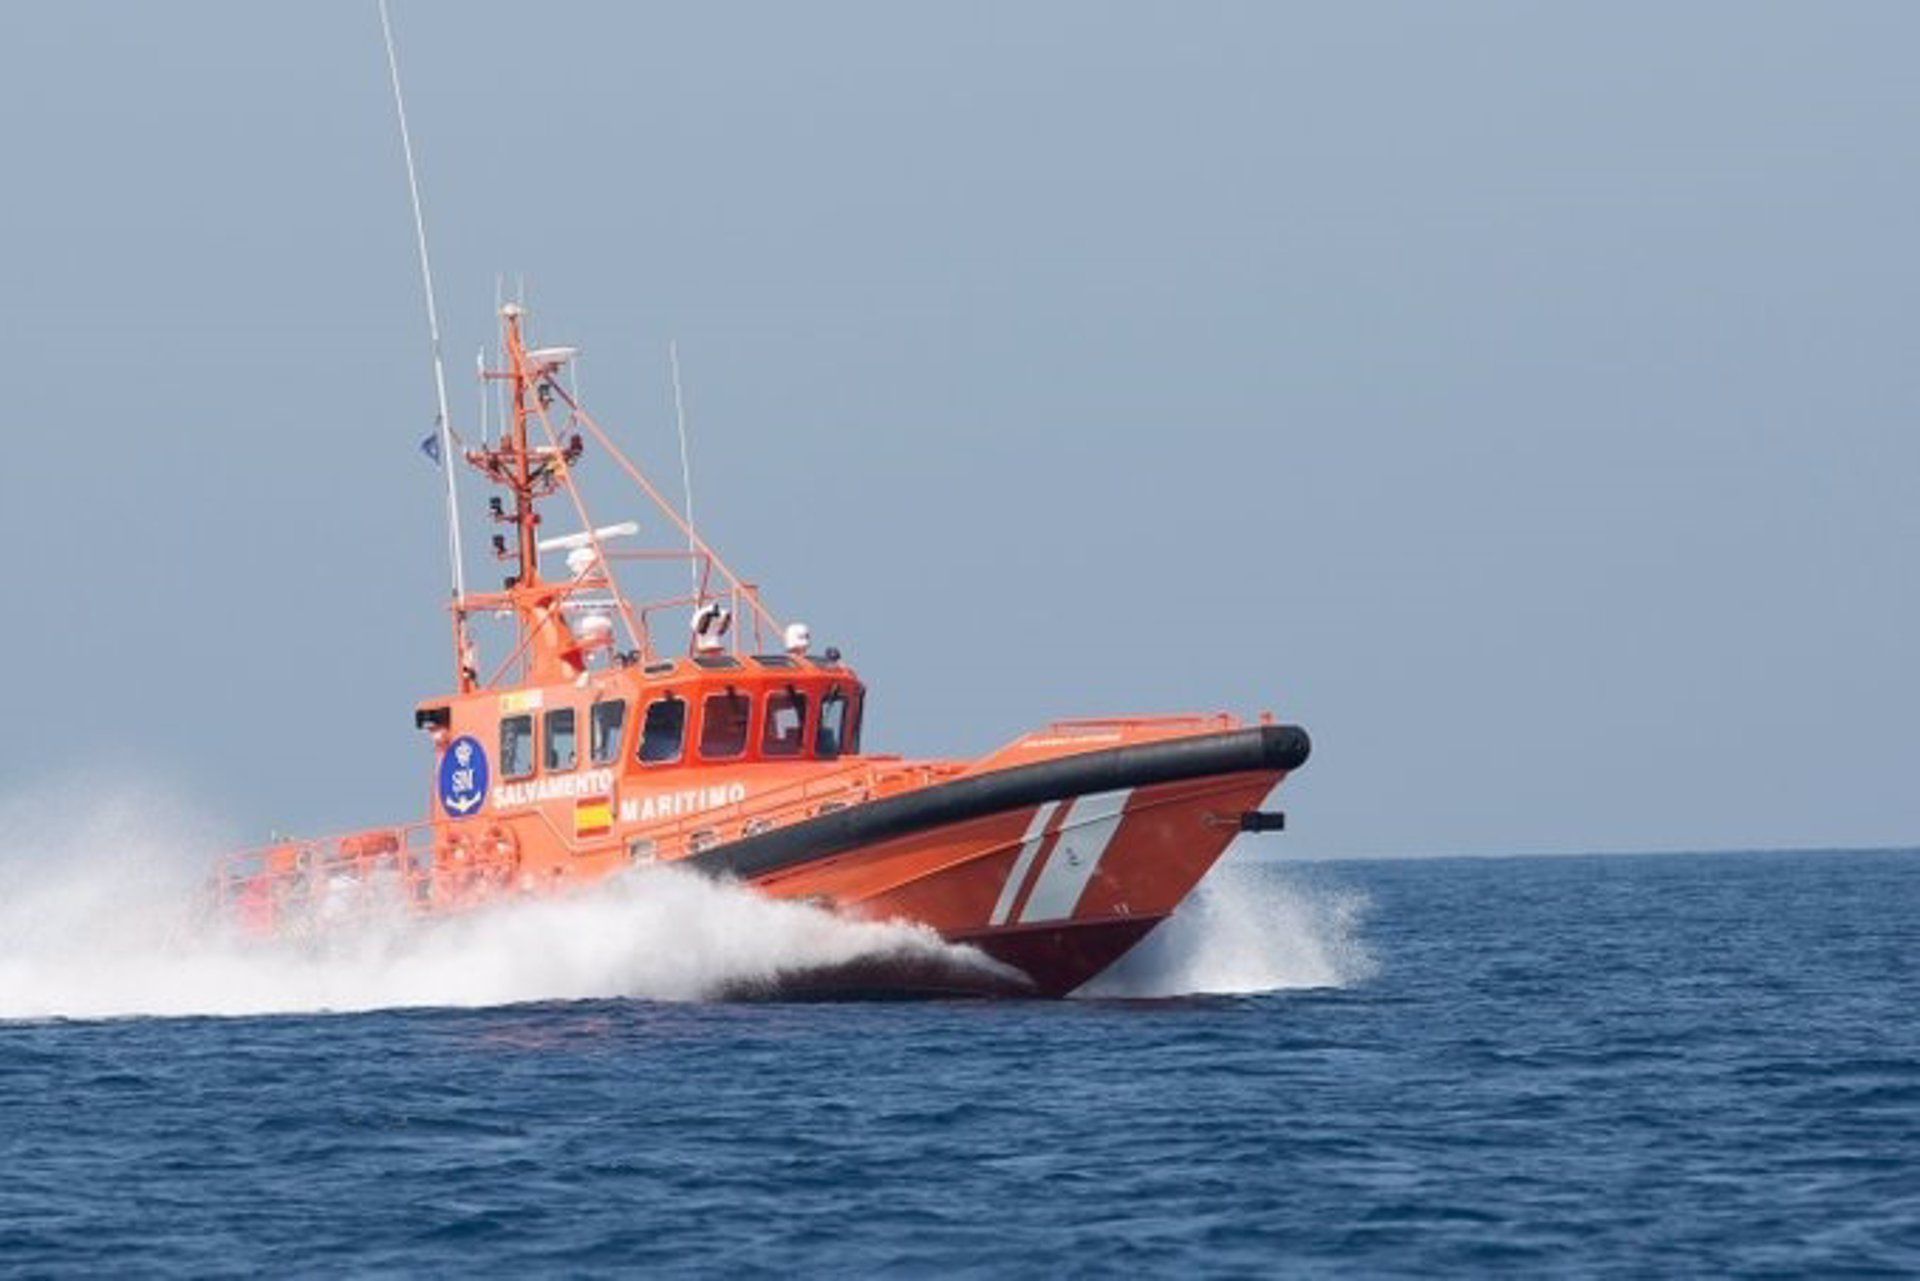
<point>833,720</point>
<point>723,725</point>
<point>856,712</point>
<point>563,750</point>
<point>664,731</point>
<point>516,747</point>
<point>605,721</point>
<point>786,724</point>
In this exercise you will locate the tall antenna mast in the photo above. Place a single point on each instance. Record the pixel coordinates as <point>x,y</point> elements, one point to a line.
<point>686,467</point>
<point>433,331</point>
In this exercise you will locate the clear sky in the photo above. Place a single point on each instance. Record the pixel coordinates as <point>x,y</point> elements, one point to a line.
<point>1523,397</point>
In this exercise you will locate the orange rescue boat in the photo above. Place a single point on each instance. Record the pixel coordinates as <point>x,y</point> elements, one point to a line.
<point>583,750</point>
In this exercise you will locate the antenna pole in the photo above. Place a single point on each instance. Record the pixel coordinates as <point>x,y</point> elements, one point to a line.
<point>686,468</point>
<point>433,331</point>
<point>480,379</point>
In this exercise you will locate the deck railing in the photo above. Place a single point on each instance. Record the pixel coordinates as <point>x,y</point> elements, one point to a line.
<point>425,866</point>
<point>413,868</point>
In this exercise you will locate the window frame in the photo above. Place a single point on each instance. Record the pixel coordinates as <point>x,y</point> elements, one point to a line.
<point>612,757</point>
<point>533,749</point>
<point>856,722</point>
<point>801,742</point>
<point>680,742</point>
<point>546,739</point>
<point>746,725</point>
<point>834,693</point>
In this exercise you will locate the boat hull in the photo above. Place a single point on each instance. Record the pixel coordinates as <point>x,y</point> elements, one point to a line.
<point>1055,870</point>
<point>1051,868</point>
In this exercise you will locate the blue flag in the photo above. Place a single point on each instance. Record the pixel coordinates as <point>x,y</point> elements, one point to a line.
<point>431,447</point>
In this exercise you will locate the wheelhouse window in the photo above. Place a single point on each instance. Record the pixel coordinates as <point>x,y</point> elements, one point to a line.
<point>786,725</point>
<point>605,724</point>
<point>723,724</point>
<point>830,741</point>
<point>856,709</point>
<point>663,734</point>
<point>563,746</point>
<point>516,747</point>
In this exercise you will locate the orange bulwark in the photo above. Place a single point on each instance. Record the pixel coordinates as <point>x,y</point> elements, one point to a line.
<point>574,757</point>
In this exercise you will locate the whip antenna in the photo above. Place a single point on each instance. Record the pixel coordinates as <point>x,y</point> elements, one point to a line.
<point>686,468</point>
<point>445,424</point>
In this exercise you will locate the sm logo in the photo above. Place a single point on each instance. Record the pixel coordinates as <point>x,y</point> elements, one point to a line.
<point>463,777</point>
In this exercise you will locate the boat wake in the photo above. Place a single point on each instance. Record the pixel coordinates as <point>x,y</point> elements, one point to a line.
<point>1247,928</point>
<point>99,923</point>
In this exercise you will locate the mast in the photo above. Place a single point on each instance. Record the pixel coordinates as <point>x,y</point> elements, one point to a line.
<point>550,646</point>
<point>532,459</point>
<point>526,520</point>
<point>529,470</point>
<point>444,424</point>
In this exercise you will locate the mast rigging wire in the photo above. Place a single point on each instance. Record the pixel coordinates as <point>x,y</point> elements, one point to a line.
<point>686,469</point>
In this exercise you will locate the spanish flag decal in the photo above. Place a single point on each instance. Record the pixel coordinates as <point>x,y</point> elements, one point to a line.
<point>593,817</point>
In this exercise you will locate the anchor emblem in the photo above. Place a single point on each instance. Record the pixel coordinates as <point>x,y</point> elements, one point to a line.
<point>463,777</point>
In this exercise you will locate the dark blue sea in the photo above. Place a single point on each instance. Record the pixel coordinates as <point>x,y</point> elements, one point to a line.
<point>1609,1066</point>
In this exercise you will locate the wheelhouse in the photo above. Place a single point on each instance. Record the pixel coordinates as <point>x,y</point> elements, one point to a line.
<point>685,713</point>
<point>566,706</point>
<point>745,711</point>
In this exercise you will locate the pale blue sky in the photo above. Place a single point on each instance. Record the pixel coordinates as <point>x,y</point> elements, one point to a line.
<point>1522,397</point>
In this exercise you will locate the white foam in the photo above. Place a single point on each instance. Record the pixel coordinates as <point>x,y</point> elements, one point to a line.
<point>1247,928</point>
<point>97,922</point>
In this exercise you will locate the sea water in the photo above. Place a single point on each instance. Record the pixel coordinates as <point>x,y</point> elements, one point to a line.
<point>1679,1065</point>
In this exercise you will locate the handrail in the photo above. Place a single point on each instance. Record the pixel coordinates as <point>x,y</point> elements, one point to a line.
<point>1223,720</point>
<point>297,886</point>
<point>431,864</point>
<point>856,778</point>
<point>294,886</point>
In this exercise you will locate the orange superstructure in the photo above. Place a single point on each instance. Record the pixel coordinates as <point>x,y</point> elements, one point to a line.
<point>580,747</point>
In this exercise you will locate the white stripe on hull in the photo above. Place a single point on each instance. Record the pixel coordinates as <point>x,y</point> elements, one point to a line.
<point>1029,846</point>
<point>1085,833</point>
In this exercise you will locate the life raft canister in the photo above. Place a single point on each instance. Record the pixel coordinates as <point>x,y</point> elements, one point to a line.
<point>498,845</point>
